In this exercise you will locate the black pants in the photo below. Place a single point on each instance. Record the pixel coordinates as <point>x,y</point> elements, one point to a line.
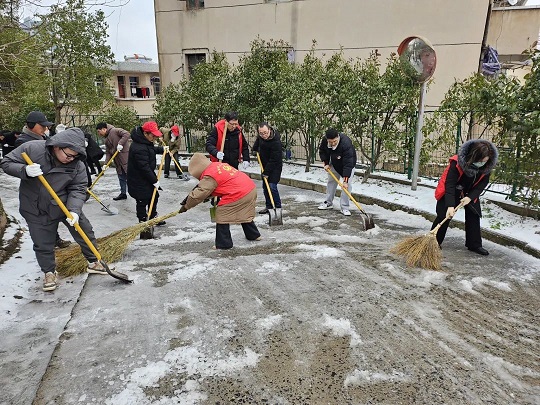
<point>167,166</point>
<point>142,208</point>
<point>223,234</point>
<point>91,163</point>
<point>473,234</point>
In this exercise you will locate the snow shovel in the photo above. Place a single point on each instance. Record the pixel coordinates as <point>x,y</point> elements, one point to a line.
<point>149,233</point>
<point>367,219</point>
<point>185,177</point>
<point>112,273</point>
<point>107,208</point>
<point>102,172</point>
<point>214,203</point>
<point>275,217</point>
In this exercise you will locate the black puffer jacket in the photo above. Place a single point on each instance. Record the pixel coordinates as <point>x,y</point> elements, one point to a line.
<point>141,165</point>
<point>270,151</point>
<point>343,158</point>
<point>473,181</point>
<point>231,148</point>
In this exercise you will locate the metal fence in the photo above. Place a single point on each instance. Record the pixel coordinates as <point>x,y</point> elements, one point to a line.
<point>398,161</point>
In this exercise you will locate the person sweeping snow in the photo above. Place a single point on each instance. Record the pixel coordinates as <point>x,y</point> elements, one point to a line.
<point>464,179</point>
<point>237,196</point>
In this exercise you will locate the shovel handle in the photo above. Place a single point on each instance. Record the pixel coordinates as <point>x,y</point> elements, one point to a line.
<point>172,157</point>
<point>63,208</point>
<point>436,229</point>
<point>266,182</point>
<point>102,172</point>
<point>155,189</point>
<point>346,191</point>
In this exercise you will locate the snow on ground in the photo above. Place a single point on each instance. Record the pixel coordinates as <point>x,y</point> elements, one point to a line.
<point>210,316</point>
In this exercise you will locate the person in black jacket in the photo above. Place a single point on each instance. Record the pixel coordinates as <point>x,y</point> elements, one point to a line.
<point>338,155</point>
<point>463,180</point>
<point>235,147</point>
<point>141,178</point>
<point>93,154</point>
<point>268,145</point>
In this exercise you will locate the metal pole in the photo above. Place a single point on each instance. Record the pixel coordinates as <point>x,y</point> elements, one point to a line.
<point>418,141</point>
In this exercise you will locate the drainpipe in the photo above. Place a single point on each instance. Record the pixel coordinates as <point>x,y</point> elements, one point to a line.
<point>484,39</point>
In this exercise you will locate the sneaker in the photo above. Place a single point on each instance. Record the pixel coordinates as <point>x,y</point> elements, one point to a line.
<point>96,268</point>
<point>265,211</point>
<point>161,223</point>
<point>61,243</point>
<point>120,197</point>
<point>326,206</point>
<point>166,175</point>
<point>347,213</point>
<point>49,283</point>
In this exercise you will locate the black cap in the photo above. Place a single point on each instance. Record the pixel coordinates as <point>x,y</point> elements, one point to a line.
<point>38,117</point>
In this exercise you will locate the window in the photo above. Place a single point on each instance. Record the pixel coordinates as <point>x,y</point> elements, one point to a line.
<point>133,84</point>
<point>194,4</point>
<point>99,82</point>
<point>193,60</point>
<point>156,84</point>
<point>121,87</point>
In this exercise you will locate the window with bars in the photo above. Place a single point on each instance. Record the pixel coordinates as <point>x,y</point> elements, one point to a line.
<point>193,60</point>
<point>194,4</point>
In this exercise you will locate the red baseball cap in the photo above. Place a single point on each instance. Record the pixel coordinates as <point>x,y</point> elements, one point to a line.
<point>151,126</point>
<point>175,129</point>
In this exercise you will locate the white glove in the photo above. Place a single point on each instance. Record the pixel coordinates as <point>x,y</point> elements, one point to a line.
<point>156,184</point>
<point>245,165</point>
<point>119,148</point>
<point>33,170</point>
<point>220,155</point>
<point>85,143</point>
<point>450,211</point>
<point>465,200</point>
<point>326,167</point>
<point>104,168</point>
<point>75,219</point>
<point>166,149</point>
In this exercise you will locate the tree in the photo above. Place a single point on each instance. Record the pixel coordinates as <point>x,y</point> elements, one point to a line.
<point>259,80</point>
<point>76,59</point>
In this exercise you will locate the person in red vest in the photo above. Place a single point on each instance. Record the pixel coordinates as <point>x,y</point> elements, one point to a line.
<point>463,180</point>
<point>237,196</point>
<point>235,148</point>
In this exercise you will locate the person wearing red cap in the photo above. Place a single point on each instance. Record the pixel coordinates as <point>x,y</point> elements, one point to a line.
<point>116,139</point>
<point>141,176</point>
<point>171,137</point>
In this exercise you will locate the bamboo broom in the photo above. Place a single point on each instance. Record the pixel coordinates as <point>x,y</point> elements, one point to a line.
<point>71,262</point>
<point>423,251</point>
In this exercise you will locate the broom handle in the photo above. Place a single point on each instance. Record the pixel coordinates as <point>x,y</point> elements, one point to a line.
<point>346,191</point>
<point>436,229</point>
<point>63,208</point>
<point>102,172</point>
<point>266,182</point>
<point>214,203</point>
<point>155,189</point>
<point>172,157</point>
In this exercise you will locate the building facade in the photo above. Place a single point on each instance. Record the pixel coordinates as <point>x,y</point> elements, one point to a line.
<point>136,83</point>
<point>188,31</point>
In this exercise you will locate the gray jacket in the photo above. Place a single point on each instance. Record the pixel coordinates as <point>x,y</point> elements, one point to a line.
<point>69,180</point>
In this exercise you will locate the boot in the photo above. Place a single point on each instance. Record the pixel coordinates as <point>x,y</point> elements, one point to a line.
<point>120,197</point>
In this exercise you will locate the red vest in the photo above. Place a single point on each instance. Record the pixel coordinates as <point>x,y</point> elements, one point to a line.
<point>441,186</point>
<point>220,126</point>
<point>232,184</point>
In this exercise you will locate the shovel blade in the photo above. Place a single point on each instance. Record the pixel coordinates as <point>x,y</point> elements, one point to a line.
<point>110,210</point>
<point>275,217</point>
<point>148,233</point>
<point>367,221</point>
<point>116,274</point>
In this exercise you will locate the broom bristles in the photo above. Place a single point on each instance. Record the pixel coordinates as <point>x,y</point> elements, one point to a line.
<point>420,251</point>
<point>71,262</point>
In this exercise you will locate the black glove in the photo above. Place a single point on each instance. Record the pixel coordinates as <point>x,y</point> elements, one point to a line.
<point>184,201</point>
